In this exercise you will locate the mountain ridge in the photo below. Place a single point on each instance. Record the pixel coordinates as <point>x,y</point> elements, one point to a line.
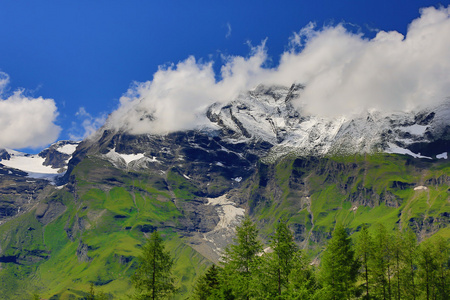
<point>194,186</point>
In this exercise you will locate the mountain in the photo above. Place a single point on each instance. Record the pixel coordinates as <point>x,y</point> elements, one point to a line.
<point>26,179</point>
<point>259,154</point>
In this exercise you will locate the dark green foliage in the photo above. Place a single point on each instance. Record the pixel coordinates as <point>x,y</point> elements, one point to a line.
<point>434,271</point>
<point>207,286</point>
<point>382,260</point>
<point>284,248</point>
<point>153,278</point>
<point>389,265</point>
<point>303,283</point>
<point>272,276</point>
<point>91,294</point>
<point>339,266</point>
<point>364,250</point>
<point>409,267</point>
<point>240,259</point>
<point>443,269</point>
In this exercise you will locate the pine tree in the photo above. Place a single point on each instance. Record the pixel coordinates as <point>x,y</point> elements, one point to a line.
<point>208,285</point>
<point>91,295</point>
<point>240,259</point>
<point>409,257</point>
<point>284,249</point>
<point>443,268</point>
<point>265,277</point>
<point>397,248</point>
<point>339,266</point>
<point>302,279</point>
<point>427,267</point>
<point>364,248</point>
<point>153,278</point>
<point>381,264</point>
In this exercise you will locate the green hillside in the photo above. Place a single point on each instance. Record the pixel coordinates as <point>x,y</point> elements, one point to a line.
<point>91,230</point>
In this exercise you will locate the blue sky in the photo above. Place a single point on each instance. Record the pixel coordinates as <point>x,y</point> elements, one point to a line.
<point>85,54</point>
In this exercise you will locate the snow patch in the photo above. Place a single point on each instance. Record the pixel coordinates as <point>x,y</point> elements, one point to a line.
<point>265,251</point>
<point>153,159</point>
<point>187,177</point>
<point>420,187</point>
<point>237,179</point>
<point>67,149</point>
<point>126,157</point>
<point>398,150</point>
<point>415,129</point>
<point>442,156</point>
<point>32,164</point>
<point>228,213</point>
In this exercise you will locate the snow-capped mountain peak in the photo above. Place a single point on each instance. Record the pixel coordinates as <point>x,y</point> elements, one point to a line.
<point>48,164</point>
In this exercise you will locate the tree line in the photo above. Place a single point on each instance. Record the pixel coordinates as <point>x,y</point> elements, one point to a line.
<point>384,265</point>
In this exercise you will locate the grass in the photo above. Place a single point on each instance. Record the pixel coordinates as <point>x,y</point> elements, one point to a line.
<point>182,188</point>
<point>333,181</point>
<point>114,207</point>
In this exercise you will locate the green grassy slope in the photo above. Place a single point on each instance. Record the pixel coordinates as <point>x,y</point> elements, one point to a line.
<point>96,239</point>
<point>108,212</point>
<point>315,194</point>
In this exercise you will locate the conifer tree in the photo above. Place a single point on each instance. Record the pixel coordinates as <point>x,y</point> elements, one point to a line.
<point>381,263</point>
<point>397,248</point>
<point>284,249</point>
<point>427,267</point>
<point>339,266</point>
<point>91,294</point>
<point>153,278</point>
<point>443,268</point>
<point>364,248</point>
<point>240,259</point>
<point>208,285</point>
<point>302,279</point>
<point>409,256</point>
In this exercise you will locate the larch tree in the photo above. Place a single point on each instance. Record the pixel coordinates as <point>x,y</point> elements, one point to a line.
<point>443,268</point>
<point>207,285</point>
<point>284,248</point>
<point>364,248</point>
<point>381,264</point>
<point>153,278</point>
<point>240,259</point>
<point>409,257</point>
<point>339,266</point>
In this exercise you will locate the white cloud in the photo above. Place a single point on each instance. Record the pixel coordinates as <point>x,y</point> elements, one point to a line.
<point>4,81</point>
<point>228,34</point>
<point>25,121</point>
<point>89,124</point>
<point>178,95</point>
<point>343,72</point>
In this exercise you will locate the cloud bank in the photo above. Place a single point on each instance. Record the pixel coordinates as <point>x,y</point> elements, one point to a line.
<point>344,73</point>
<point>24,121</point>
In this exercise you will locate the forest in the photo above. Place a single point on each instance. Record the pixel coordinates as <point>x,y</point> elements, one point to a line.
<point>380,265</point>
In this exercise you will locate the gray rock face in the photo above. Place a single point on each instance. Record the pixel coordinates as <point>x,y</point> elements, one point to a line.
<point>53,155</point>
<point>18,193</point>
<point>20,190</point>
